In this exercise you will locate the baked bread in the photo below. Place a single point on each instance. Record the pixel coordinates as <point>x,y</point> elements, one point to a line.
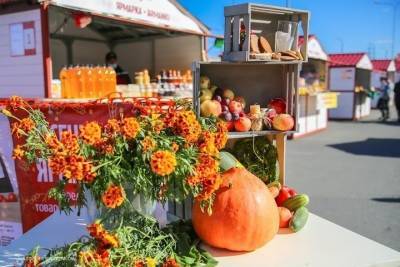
<point>254,44</point>
<point>264,45</point>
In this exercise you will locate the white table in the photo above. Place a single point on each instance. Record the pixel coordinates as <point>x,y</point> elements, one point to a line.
<point>320,244</point>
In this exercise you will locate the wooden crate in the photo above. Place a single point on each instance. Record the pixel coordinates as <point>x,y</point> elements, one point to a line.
<point>259,18</point>
<point>257,82</point>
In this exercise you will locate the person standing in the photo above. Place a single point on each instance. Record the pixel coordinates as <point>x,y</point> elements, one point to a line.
<point>397,99</point>
<point>112,61</point>
<point>383,102</point>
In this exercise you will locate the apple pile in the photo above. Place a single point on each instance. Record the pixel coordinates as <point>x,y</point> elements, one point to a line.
<point>224,104</point>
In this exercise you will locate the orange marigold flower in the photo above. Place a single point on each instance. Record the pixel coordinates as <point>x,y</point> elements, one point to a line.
<point>91,132</point>
<point>18,152</point>
<point>105,146</point>
<point>139,263</point>
<point>91,258</point>
<point>26,125</point>
<point>207,144</point>
<point>16,102</point>
<point>221,136</point>
<point>163,162</point>
<point>55,145</point>
<point>113,197</point>
<point>112,127</point>
<point>130,128</point>
<point>95,229</point>
<point>170,262</point>
<point>210,184</point>
<point>186,125</point>
<point>70,142</point>
<point>57,164</point>
<point>148,144</point>
<point>108,241</point>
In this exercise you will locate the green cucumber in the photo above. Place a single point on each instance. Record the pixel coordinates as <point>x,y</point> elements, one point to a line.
<point>228,161</point>
<point>295,202</point>
<point>299,219</point>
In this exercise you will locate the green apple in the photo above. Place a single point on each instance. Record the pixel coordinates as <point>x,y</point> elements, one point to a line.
<point>205,94</point>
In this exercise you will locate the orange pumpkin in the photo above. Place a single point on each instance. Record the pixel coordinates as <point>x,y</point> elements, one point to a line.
<point>244,215</point>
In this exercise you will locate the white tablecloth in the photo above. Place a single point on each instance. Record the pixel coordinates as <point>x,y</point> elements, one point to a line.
<point>320,244</point>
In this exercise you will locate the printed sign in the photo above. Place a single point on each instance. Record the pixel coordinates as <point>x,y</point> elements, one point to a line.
<point>160,13</point>
<point>22,39</point>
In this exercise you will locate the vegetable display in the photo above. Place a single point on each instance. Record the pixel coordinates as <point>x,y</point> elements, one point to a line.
<point>244,217</point>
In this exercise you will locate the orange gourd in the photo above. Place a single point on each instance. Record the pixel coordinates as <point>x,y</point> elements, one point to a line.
<point>244,215</point>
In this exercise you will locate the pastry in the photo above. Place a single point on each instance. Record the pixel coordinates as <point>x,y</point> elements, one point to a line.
<point>254,44</point>
<point>264,45</point>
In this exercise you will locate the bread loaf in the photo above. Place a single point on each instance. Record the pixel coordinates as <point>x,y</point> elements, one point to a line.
<point>264,45</point>
<point>254,44</point>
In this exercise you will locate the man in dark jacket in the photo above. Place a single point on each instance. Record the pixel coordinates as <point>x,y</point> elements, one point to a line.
<point>397,98</point>
<point>112,61</point>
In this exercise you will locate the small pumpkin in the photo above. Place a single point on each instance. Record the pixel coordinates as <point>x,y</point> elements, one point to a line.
<point>244,215</point>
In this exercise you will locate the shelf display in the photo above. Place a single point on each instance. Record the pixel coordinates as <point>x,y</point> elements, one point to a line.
<point>255,32</point>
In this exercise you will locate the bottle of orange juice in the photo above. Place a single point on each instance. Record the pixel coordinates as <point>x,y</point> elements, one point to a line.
<point>65,83</point>
<point>83,82</point>
<point>90,82</point>
<point>78,91</point>
<point>113,80</point>
<point>98,78</point>
<point>73,81</point>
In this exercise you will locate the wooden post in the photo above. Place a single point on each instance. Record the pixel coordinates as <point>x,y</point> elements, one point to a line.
<point>281,147</point>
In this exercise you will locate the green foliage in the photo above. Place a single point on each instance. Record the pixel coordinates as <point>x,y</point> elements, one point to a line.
<point>258,156</point>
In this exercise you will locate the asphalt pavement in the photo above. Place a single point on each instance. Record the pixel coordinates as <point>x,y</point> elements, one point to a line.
<point>351,172</point>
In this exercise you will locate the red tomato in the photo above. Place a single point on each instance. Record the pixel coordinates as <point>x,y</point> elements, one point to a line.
<point>2,198</point>
<point>283,195</point>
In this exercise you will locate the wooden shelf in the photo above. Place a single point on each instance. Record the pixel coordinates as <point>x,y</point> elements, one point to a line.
<point>233,135</point>
<point>253,62</point>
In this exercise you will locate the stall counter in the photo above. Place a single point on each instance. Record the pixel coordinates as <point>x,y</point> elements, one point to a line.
<point>320,243</point>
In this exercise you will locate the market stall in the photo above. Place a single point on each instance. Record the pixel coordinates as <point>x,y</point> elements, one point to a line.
<point>350,76</point>
<point>314,99</point>
<point>382,68</point>
<point>155,41</point>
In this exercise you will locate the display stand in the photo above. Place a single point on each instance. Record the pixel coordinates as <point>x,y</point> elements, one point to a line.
<point>350,75</point>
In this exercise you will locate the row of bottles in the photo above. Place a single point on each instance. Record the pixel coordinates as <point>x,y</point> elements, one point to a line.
<point>167,83</point>
<point>87,81</point>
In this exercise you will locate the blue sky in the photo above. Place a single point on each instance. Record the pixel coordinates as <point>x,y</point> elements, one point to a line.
<point>360,24</point>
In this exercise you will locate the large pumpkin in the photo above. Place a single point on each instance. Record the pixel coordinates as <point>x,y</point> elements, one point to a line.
<point>244,215</point>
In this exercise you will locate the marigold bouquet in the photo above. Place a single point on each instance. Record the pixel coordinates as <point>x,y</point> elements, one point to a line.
<point>162,156</point>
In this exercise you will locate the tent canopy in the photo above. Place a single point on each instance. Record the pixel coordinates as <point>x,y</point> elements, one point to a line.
<point>165,15</point>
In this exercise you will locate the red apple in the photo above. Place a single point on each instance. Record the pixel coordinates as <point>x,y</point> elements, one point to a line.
<point>241,100</point>
<point>278,104</point>
<point>243,124</point>
<point>230,125</point>
<point>210,108</point>
<point>235,106</point>
<point>283,122</point>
